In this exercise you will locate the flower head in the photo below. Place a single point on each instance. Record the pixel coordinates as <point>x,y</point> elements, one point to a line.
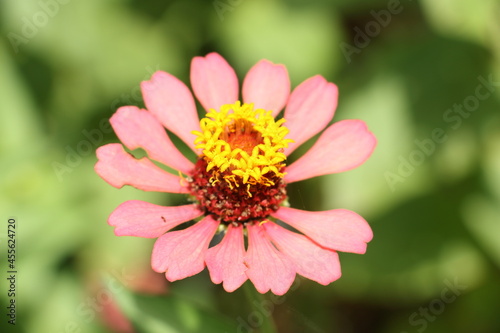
<point>238,183</point>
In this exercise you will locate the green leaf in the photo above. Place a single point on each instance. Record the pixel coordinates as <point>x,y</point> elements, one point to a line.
<point>171,314</point>
<point>471,20</point>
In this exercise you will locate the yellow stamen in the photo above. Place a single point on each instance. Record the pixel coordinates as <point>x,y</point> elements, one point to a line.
<point>244,145</point>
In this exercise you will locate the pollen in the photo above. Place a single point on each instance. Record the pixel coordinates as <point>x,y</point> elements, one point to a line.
<point>242,146</point>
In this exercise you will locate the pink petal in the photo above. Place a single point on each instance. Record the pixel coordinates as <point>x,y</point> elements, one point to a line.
<point>214,81</point>
<point>138,128</point>
<point>267,86</point>
<point>182,253</point>
<point>172,103</point>
<point>337,229</point>
<point>143,219</point>
<point>311,261</point>
<point>119,168</point>
<point>310,108</point>
<point>268,269</point>
<point>225,260</point>
<point>343,146</point>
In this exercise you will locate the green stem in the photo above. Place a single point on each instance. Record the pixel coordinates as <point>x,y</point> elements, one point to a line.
<point>255,298</point>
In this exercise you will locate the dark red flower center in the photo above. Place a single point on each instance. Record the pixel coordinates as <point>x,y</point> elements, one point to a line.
<point>239,174</point>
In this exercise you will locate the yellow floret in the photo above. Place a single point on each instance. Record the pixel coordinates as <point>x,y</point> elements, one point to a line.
<point>258,144</point>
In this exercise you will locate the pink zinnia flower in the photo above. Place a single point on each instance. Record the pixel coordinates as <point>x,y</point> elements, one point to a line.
<point>239,181</point>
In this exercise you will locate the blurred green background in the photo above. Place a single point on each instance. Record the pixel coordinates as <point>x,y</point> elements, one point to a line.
<point>410,69</point>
